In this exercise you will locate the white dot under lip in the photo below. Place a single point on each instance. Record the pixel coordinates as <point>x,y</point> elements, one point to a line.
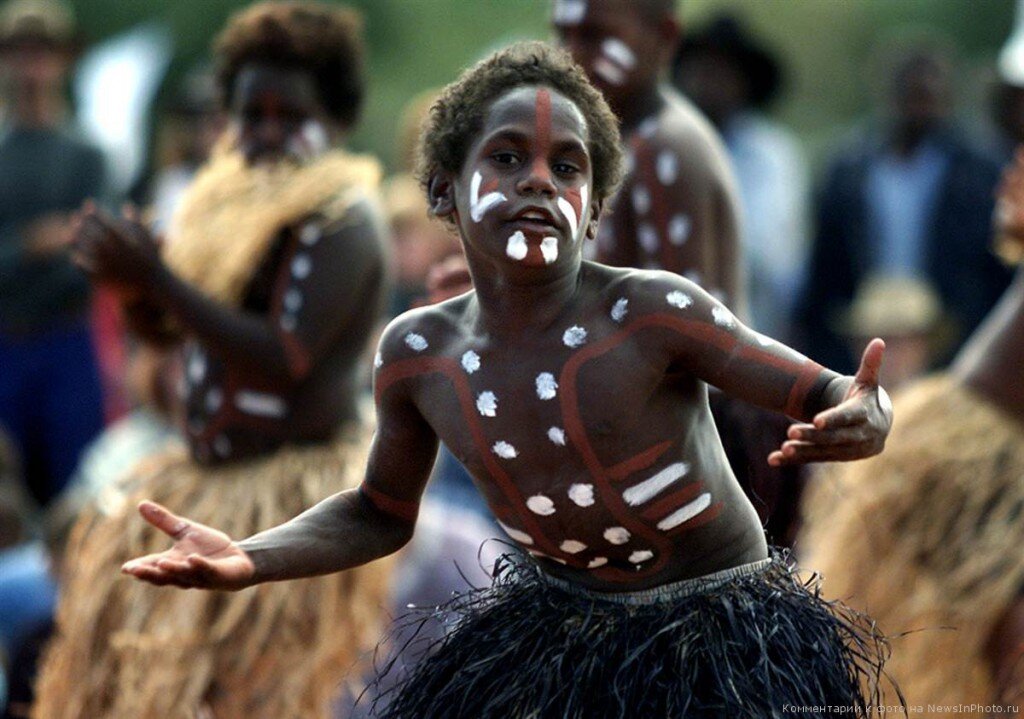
<point>582,495</point>
<point>541,504</point>
<point>517,247</point>
<point>617,535</point>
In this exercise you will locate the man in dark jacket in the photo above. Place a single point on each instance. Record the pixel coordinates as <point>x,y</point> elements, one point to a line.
<point>909,197</point>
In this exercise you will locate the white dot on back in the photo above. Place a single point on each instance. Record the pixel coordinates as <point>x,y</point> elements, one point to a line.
<point>470,361</point>
<point>309,235</point>
<point>557,436</point>
<point>679,230</point>
<point>648,238</point>
<point>619,309</point>
<point>292,300</point>
<point>416,342</point>
<point>517,247</point>
<point>540,504</point>
<point>487,404</point>
<point>641,199</point>
<point>679,299</point>
<point>582,495</point>
<point>547,387</point>
<point>617,535</point>
<point>574,336</point>
<point>301,266</point>
<point>667,167</point>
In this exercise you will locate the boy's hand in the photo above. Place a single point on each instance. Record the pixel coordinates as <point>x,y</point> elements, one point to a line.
<point>118,252</point>
<point>201,557</point>
<point>854,429</point>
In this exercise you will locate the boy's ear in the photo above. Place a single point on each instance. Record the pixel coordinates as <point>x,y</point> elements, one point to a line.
<point>441,194</point>
<point>596,207</point>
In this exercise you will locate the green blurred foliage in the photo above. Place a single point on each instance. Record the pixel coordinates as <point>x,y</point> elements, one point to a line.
<point>829,47</point>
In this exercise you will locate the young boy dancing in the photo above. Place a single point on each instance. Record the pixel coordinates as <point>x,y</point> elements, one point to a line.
<point>576,396</point>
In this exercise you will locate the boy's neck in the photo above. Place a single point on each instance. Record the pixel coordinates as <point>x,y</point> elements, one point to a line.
<point>511,307</point>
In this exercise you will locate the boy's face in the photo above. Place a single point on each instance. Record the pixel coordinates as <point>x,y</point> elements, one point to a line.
<point>614,42</point>
<point>523,197</point>
<point>278,115</point>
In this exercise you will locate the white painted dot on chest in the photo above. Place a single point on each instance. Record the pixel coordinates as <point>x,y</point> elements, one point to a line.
<point>571,546</point>
<point>575,336</point>
<point>640,556</point>
<point>292,300</point>
<point>617,535</point>
<point>378,360</point>
<point>582,495</point>
<point>487,404</point>
<point>541,504</point>
<point>619,309</point>
<point>679,299</point>
<point>504,450</point>
<point>470,361</point>
<point>196,370</point>
<point>416,342</point>
<point>557,436</point>
<point>547,387</point>
<point>214,399</point>
<point>302,265</point>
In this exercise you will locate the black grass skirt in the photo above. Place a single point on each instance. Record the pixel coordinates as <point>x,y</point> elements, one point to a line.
<point>754,642</point>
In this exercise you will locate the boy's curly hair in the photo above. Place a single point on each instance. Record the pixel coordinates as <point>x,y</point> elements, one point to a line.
<point>325,40</point>
<point>457,116</point>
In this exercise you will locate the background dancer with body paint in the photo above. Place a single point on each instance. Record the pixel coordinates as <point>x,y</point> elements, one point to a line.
<point>270,287</point>
<point>575,393</point>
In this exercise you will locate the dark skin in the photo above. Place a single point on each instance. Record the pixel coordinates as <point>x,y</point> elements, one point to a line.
<point>295,343</point>
<point>678,209</point>
<point>526,381</point>
<point>990,364</point>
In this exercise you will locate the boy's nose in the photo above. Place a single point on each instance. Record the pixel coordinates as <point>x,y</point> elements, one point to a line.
<point>538,180</point>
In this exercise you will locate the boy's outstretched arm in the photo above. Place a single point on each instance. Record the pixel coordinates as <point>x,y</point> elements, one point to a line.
<point>343,531</point>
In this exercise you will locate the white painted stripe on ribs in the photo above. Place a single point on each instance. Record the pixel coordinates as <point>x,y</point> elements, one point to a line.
<point>686,512</point>
<point>640,493</point>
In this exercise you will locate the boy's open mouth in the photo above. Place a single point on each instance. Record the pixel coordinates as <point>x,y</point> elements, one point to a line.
<point>537,219</point>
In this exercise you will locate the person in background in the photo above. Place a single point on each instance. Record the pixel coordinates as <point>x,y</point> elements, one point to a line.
<point>927,537</point>
<point>267,289</point>
<point>904,311</point>
<point>51,397</point>
<point>733,79</point>
<point>909,197</point>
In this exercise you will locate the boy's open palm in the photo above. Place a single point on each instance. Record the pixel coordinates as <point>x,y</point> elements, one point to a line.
<point>201,557</point>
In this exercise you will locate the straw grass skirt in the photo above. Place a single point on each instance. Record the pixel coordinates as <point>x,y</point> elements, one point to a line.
<point>125,649</point>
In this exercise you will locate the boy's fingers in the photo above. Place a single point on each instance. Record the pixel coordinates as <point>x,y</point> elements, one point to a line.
<point>796,431</point>
<point>839,435</point>
<point>163,519</point>
<point>844,415</point>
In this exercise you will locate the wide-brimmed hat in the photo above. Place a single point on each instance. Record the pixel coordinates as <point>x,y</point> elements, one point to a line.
<point>48,22</point>
<point>725,36</point>
<point>891,306</point>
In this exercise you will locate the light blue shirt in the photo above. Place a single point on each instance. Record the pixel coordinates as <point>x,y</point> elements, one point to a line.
<point>901,194</point>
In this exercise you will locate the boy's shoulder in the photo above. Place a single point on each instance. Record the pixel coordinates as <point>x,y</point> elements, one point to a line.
<point>423,330</point>
<point>639,291</point>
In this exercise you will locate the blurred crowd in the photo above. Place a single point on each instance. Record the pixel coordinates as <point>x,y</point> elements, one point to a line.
<point>891,237</point>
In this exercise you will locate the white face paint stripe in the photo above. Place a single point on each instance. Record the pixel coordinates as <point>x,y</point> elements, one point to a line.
<point>584,207</point>
<point>549,249</point>
<point>609,71</point>
<point>516,247</point>
<point>646,490</point>
<point>260,404</point>
<point>570,215</point>
<point>617,51</point>
<point>515,534</point>
<point>478,206</point>
<point>685,513</point>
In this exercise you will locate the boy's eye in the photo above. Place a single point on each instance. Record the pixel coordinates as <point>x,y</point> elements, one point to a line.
<point>505,158</point>
<point>565,168</point>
